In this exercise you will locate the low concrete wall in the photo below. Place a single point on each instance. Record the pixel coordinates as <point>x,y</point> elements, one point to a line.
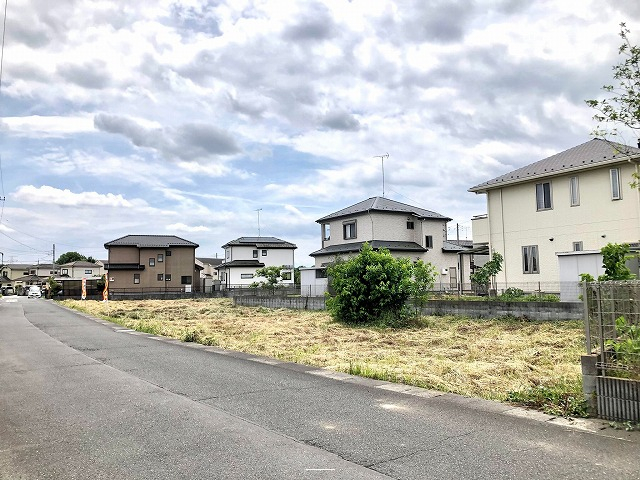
<point>297,303</point>
<point>489,309</point>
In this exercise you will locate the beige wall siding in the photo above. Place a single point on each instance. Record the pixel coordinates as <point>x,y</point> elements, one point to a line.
<point>480,229</point>
<point>515,222</point>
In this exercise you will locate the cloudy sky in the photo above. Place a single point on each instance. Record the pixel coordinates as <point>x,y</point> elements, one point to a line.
<point>185,117</point>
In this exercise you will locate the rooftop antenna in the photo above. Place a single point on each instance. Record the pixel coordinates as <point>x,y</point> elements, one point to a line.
<point>258,210</point>
<point>382,157</point>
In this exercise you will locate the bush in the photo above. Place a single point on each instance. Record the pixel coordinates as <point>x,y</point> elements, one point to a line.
<point>371,287</point>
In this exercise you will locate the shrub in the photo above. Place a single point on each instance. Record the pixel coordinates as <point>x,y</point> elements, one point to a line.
<point>370,287</point>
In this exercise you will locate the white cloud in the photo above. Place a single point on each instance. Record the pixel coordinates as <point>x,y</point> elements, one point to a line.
<point>55,196</point>
<point>181,227</point>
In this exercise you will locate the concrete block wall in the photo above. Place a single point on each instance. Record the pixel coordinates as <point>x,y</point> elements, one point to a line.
<point>296,303</point>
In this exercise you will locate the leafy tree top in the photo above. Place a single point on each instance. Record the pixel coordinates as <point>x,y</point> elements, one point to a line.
<point>71,257</point>
<point>623,104</point>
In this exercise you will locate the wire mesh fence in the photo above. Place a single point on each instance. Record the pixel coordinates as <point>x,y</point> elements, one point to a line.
<point>612,326</point>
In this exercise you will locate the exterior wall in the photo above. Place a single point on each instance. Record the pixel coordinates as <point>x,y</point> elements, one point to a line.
<point>390,226</point>
<point>480,229</point>
<point>79,272</point>
<point>310,286</point>
<point>514,221</point>
<point>180,263</point>
<point>275,257</point>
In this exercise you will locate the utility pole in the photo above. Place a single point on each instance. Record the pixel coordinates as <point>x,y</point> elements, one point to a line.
<point>382,157</point>
<point>258,210</point>
<point>53,261</point>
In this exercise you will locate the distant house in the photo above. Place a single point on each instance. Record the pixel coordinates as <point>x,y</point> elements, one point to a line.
<point>80,269</point>
<point>406,231</point>
<point>23,274</point>
<point>152,262</point>
<point>245,255</point>
<point>550,219</point>
<point>209,276</point>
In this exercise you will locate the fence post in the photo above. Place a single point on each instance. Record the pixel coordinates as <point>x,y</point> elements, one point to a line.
<point>587,323</point>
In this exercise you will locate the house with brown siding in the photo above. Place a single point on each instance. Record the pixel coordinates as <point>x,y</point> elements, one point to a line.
<point>152,263</point>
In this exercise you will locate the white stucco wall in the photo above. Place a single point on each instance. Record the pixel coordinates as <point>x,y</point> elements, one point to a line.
<point>514,221</point>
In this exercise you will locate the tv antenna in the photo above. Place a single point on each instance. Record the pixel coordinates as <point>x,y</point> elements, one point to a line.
<point>258,210</point>
<point>382,157</point>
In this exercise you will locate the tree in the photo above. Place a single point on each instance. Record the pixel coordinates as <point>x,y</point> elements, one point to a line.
<point>424,277</point>
<point>70,257</point>
<point>373,286</point>
<point>273,275</point>
<point>485,274</point>
<point>623,104</point>
<point>614,261</point>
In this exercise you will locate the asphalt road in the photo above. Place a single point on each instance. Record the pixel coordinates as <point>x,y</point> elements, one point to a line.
<point>81,398</point>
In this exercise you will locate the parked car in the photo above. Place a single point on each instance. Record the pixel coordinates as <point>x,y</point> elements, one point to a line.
<point>34,291</point>
<point>7,291</point>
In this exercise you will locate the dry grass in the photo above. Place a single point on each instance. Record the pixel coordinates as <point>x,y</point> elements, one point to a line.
<point>481,358</point>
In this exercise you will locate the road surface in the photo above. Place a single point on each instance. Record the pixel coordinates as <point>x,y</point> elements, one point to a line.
<point>83,398</point>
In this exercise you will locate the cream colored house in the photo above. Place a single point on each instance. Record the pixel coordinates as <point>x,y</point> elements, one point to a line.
<point>80,269</point>
<point>151,263</point>
<point>244,255</point>
<point>575,201</point>
<point>406,231</point>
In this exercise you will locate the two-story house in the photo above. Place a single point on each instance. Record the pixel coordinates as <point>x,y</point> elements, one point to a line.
<point>23,274</point>
<point>570,204</point>
<point>152,262</point>
<point>244,255</point>
<point>80,269</point>
<point>406,231</point>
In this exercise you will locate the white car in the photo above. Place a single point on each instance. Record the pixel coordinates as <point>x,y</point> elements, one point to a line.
<point>34,292</point>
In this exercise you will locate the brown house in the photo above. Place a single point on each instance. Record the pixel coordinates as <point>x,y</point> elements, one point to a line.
<point>152,262</point>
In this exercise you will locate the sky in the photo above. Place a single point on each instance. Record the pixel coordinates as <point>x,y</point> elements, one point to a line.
<point>212,120</point>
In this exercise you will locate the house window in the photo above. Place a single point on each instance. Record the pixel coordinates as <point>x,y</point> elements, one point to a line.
<point>321,273</point>
<point>530,259</point>
<point>227,253</point>
<point>410,225</point>
<point>246,275</point>
<point>326,231</point>
<point>577,246</point>
<point>349,230</point>
<point>186,280</point>
<point>167,253</point>
<point>167,277</point>
<point>88,272</point>
<point>428,241</point>
<point>136,278</point>
<point>614,174</point>
<point>286,275</point>
<point>160,258</point>
<point>264,253</point>
<point>32,272</point>
<point>574,191</point>
<point>65,271</point>
<point>160,277</point>
<point>543,196</point>
<point>255,254</point>
<point>453,277</point>
<point>152,262</point>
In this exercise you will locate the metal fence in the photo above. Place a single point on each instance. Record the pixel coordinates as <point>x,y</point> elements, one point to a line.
<point>612,326</point>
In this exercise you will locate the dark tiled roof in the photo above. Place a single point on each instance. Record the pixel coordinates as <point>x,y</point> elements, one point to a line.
<point>587,155</point>
<point>150,241</point>
<point>79,264</point>
<point>375,244</point>
<point>260,242</point>
<point>381,204</point>
<point>241,263</point>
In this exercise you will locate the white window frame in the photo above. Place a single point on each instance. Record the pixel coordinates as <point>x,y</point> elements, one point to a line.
<point>530,259</point>
<point>574,191</point>
<point>152,262</point>
<point>246,276</point>
<point>428,241</point>
<point>326,231</point>
<point>578,246</point>
<point>541,198</point>
<point>614,180</point>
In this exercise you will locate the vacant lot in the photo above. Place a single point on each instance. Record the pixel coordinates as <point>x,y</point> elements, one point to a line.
<point>483,358</point>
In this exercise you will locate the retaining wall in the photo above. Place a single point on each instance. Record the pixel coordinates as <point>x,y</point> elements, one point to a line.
<point>490,309</point>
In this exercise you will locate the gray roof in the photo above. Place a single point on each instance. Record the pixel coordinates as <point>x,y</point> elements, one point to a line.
<point>381,204</point>
<point>375,244</point>
<point>150,241</point>
<point>455,246</point>
<point>210,260</point>
<point>260,242</point>
<point>241,263</point>
<point>596,152</point>
<point>79,264</point>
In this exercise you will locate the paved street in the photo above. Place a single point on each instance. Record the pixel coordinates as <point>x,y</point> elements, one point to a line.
<point>82,398</point>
